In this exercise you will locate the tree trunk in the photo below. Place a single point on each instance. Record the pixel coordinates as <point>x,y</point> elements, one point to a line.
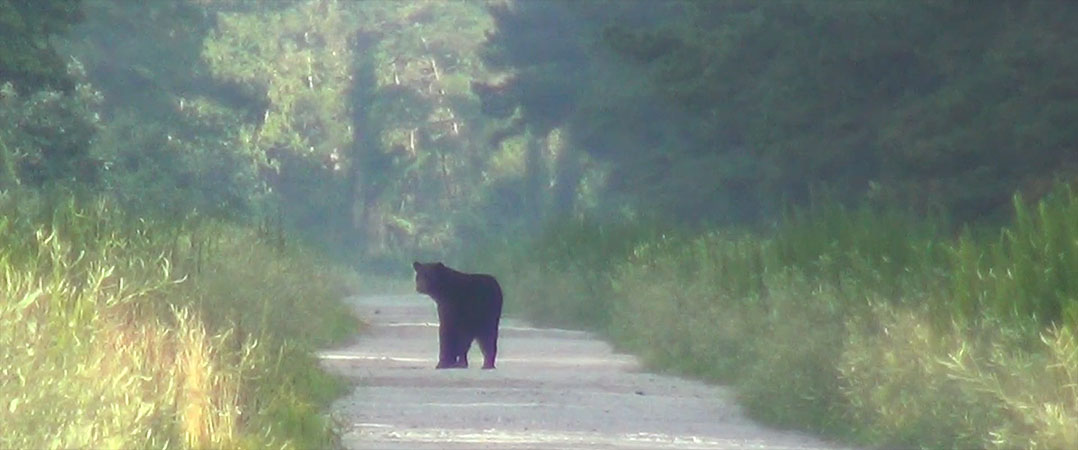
<point>533,182</point>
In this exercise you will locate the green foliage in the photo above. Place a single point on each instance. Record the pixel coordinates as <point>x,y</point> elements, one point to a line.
<point>150,169</point>
<point>27,57</point>
<point>45,134</point>
<point>421,158</point>
<point>865,324</point>
<point>570,258</point>
<point>721,112</point>
<point>792,378</point>
<point>170,135</point>
<point>914,385</point>
<point>1028,271</point>
<point>341,119</point>
<point>403,130</point>
<point>125,333</point>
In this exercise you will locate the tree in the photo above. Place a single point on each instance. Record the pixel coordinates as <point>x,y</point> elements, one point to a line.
<point>724,111</point>
<point>27,57</point>
<point>46,120</point>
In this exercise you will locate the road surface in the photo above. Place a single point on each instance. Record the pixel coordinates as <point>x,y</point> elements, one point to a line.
<point>553,389</point>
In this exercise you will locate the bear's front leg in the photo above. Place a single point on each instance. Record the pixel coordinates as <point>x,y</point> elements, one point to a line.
<point>447,345</point>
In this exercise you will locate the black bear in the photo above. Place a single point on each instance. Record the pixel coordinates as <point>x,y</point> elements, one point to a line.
<point>469,308</point>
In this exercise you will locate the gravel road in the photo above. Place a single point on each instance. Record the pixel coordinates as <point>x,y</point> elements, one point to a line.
<point>553,389</point>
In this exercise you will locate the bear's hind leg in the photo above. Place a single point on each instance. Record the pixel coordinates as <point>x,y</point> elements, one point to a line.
<point>488,343</point>
<point>464,344</point>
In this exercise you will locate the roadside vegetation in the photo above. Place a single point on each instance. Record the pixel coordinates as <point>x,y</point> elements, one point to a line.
<point>865,324</point>
<point>120,332</point>
<point>179,180</point>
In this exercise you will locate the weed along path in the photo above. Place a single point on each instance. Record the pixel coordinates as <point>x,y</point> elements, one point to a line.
<point>553,389</point>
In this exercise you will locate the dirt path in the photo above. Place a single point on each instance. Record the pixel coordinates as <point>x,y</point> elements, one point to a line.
<point>553,389</point>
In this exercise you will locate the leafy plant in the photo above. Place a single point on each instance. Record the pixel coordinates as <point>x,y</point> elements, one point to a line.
<point>130,333</point>
<point>865,324</point>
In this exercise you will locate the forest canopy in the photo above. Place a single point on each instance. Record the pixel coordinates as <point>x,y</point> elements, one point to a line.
<point>860,215</point>
<point>391,128</point>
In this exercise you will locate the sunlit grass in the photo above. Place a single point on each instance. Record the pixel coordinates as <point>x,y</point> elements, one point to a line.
<point>911,384</point>
<point>123,333</point>
<point>869,325</point>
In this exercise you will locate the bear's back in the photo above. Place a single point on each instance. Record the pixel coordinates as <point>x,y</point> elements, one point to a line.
<point>476,288</point>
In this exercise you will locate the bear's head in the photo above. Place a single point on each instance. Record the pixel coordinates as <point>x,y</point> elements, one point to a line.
<point>428,277</point>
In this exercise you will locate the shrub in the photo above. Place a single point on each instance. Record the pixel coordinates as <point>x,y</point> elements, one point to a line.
<point>125,333</point>
<point>865,324</point>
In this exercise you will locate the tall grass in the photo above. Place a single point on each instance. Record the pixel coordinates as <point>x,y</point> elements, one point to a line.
<point>1030,270</point>
<point>576,279</point>
<point>866,324</point>
<point>118,332</point>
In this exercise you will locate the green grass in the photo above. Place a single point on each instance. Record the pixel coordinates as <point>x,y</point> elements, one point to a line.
<point>868,325</point>
<point>126,333</point>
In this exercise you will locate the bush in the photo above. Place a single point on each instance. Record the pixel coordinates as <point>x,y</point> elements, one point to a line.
<point>865,324</point>
<point>125,333</point>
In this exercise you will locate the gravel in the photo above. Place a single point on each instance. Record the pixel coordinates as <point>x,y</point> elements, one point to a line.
<point>553,389</point>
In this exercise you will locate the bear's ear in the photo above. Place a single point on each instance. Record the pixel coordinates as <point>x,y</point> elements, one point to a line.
<point>416,265</point>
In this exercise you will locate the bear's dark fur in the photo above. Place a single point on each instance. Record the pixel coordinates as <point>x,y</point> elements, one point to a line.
<point>469,308</point>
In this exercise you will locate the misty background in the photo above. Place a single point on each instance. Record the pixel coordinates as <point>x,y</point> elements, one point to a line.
<point>858,214</point>
<point>385,129</point>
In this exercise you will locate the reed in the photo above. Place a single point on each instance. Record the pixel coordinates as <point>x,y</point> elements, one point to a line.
<point>868,324</point>
<point>119,332</point>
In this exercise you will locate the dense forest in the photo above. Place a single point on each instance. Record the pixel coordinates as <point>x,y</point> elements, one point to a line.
<point>412,127</point>
<point>895,173</point>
